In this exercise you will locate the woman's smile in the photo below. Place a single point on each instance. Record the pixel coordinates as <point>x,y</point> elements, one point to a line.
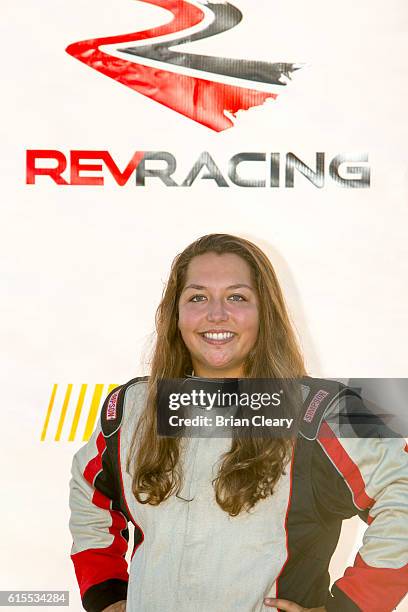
<point>218,337</point>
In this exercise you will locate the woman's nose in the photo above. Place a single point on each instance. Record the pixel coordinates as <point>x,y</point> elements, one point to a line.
<point>217,311</point>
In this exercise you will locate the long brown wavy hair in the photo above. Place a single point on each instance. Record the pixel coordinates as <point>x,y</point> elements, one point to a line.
<point>251,468</point>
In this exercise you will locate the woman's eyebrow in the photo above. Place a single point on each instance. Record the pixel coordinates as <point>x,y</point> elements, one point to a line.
<point>240,285</point>
<point>202,287</point>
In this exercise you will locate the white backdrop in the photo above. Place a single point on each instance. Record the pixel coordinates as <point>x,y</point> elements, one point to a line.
<point>83,267</point>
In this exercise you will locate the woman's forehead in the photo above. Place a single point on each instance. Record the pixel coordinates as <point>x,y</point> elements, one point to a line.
<point>212,268</point>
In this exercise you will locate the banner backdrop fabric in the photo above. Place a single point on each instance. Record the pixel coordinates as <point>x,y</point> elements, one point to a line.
<point>131,128</point>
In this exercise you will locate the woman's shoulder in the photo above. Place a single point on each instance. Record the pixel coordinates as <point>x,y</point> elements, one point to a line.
<point>123,405</point>
<point>322,398</point>
<point>334,409</point>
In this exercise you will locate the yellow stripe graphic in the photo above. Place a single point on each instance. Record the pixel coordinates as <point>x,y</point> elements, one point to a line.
<point>93,412</point>
<point>49,410</point>
<point>63,413</point>
<point>77,414</point>
<point>94,408</point>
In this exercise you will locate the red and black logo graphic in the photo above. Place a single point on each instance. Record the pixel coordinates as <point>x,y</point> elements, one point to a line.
<point>209,90</point>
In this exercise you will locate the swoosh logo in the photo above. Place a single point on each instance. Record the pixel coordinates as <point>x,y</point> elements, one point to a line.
<point>207,89</point>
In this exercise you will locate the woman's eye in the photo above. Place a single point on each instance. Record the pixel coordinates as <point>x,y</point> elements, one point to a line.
<point>237,298</point>
<point>197,298</point>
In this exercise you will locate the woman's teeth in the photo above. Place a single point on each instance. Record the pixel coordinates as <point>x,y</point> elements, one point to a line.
<point>220,336</point>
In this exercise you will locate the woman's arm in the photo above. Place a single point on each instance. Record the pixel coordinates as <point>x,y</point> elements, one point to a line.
<point>97,524</point>
<point>375,472</point>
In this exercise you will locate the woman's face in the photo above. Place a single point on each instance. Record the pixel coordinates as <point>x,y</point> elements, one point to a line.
<point>219,314</point>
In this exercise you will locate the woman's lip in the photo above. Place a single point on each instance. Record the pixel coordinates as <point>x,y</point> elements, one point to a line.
<point>217,331</point>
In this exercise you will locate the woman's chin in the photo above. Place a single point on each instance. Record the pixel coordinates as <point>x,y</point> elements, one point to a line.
<point>218,369</point>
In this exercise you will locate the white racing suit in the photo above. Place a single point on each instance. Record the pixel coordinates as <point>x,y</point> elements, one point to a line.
<point>191,556</point>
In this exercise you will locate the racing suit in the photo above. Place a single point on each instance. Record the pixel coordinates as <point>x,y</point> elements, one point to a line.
<point>191,556</point>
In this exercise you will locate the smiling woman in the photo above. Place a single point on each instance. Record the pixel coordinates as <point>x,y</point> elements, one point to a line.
<point>219,314</point>
<point>238,523</point>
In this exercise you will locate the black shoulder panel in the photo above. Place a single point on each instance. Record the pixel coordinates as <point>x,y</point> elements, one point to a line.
<point>113,408</point>
<point>321,393</point>
<point>111,420</point>
<point>112,412</point>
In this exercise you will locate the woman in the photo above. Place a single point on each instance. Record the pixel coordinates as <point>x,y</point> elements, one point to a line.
<point>244,524</point>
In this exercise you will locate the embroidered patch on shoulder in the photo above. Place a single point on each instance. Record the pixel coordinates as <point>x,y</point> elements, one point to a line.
<point>314,405</point>
<point>111,409</point>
